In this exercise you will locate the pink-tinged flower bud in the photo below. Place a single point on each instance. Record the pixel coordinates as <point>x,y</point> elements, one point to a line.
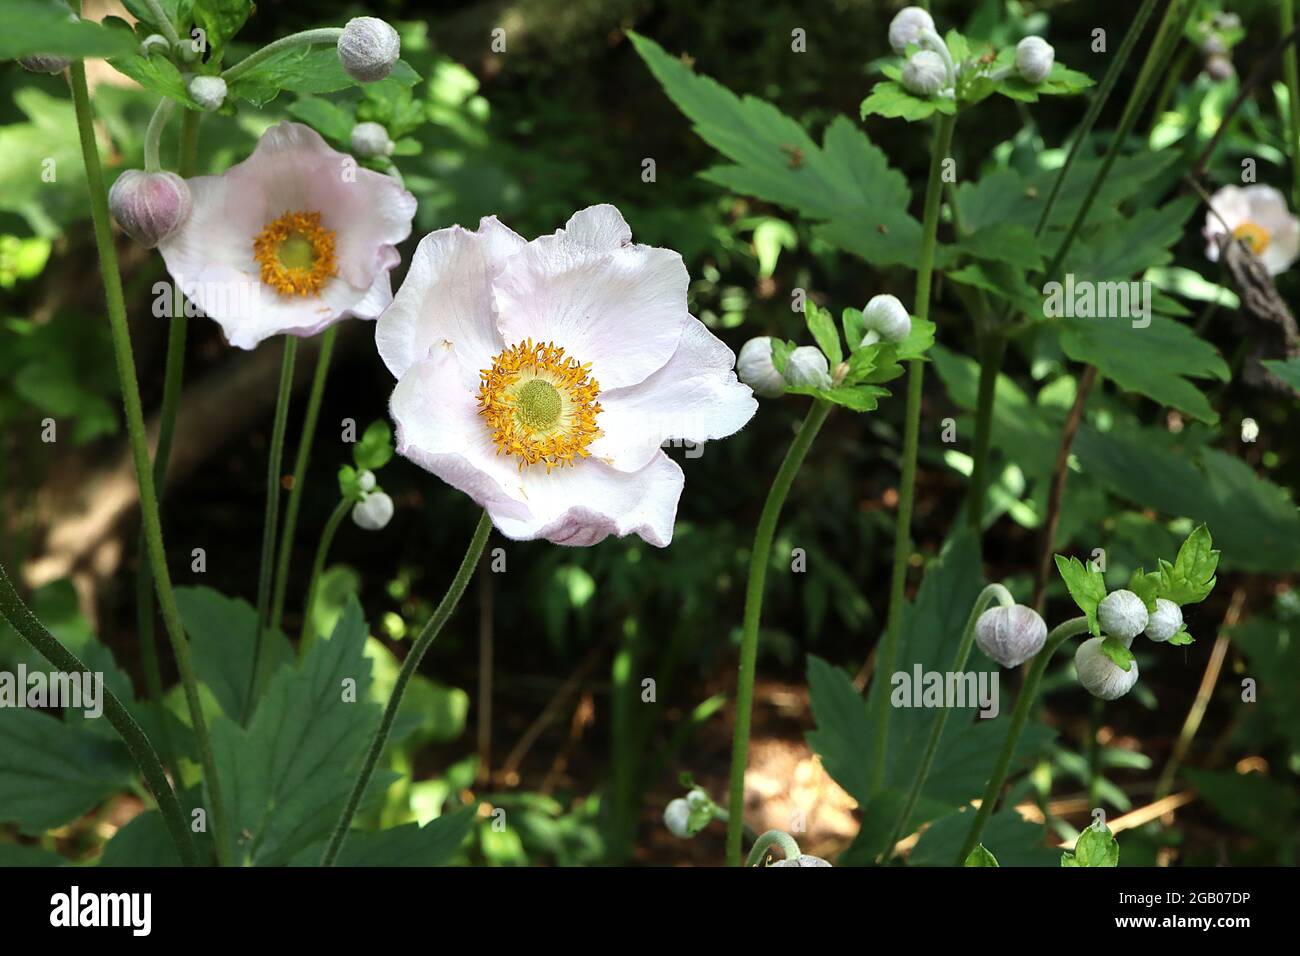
<point>44,63</point>
<point>906,27</point>
<point>1099,675</point>
<point>149,206</point>
<point>925,73</point>
<point>802,859</point>
<point>1010,635</point>
<point>1122,614</point>
<point>754,367</point>
<point>1034,57</point>
<point>368,49</point>
<point>1165,622</point>
<point>373,512</point>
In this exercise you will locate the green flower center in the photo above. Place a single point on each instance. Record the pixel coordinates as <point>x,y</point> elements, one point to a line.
<point>296,252</point>
<point>537,405</point>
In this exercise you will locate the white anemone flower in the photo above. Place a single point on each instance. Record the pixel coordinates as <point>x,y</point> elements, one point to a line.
<point>541,378</point>
<point>1259,217</point>
<point>292,240</point>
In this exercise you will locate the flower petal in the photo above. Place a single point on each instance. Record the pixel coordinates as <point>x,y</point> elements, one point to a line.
<point>600,228</point>
<point>447,295</point>
<point>622,310</point>
<point>694,397</point>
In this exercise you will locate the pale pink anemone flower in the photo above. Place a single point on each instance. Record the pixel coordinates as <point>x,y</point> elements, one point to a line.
<point>292,240</point>
<point>542,378</point>
<point>1259,217</point>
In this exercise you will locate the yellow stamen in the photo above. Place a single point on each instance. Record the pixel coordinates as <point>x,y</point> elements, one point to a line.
<point>539,405</point>
<point>296,253</point>
<point>1255,236</point>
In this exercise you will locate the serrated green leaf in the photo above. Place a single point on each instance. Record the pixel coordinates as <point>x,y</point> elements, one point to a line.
<point>891,100</point>
<point>220,20</point>
<point>433,844</point>
<point>1146,585</point>
<point>375,449</point>
<point>1181,638</point>
<point>824,333</point>
<point>37,27</point>
<point>1119,655</point>
<point>331,120</point>
<point>981,857</point>
<point>156,74</point>
<point>1086,585</point>
<point>1190,579</point>
<point>1096,846</point>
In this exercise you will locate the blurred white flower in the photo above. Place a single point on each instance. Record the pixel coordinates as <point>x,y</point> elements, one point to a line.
<point>373,512</point>
<point>290,241</point>
<point>542,378</point>
<point>1259,217</point>
<point>677,818</point>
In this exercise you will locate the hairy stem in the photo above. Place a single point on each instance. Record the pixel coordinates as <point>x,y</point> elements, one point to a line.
<point>766,841</point>
<point>409,666</point>
<point>1024,704</point>
<point>305,38</point>
<point>121,335</point>
<point>307,634</point>
<point>759,558</point>
<point>888,652</point>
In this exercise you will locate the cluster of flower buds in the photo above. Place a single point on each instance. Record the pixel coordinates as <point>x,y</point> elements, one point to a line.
<point>375,509</point>
<point>1218,34</point>
<point>929,69</point>
<point>1123,616</point>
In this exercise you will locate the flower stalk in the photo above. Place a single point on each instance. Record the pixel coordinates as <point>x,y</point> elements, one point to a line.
<point>304,38</point>
<point>759,559</point>
<point>772,838</point>
<point>308,636</point>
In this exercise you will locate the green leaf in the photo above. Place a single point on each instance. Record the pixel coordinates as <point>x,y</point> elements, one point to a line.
<point>1119,655</point>
<point>375,448</point>
<point>329,119</point>
<point>891,100</point>
<point>222,632</point>
<point>38,26</point>
<point>1181,638</point>
<point>156,74</point>
<point>1086,585</point>
<point>1155,361</point>
<point>823,330</point>
<point>221,20</point>
<point>54,771</point>
<point>1288,371</point>
<point>288,774</point>
<point>1146,585</point>
<point>21,855</point>
<point>1060,82</point>
<point>1190,579</point>
<point>1004,242</point>
<point>433,844</point>
<point>1096,846</point>
<point>1261,806</point>
<point>980,857</point>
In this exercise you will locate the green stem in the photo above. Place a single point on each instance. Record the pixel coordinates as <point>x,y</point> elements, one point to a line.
<point>759,558</point>
<point>772,838</point>
<point>305,38</point>
<point>1024,704</point>
<point>24,623</point>
<point>994,592</point>
<point>993,346</point>
<point>271,519</point>
<point>1095,106</point>
<point>1292,75</point>
<point>888,650</point>
<point>134,413</point>
<point>300,474</point>
<point>153,133</point>
<point>340,512</point>
<point>164,22</point>
<point>409,666</point>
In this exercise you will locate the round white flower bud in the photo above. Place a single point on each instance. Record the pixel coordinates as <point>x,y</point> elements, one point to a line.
<point>698,798</point>
<point>208,91</point>
<point>1213,45</point>
<point>1010,635</point>
<point>925,73</point>
<point>366,480</point>
<point>44,63</point>
<point>1165,622</point>
<point>906,27</point>
<point>370,140</point>
<point>886,317</point>
<point>373,512</point>
<point>754,367</point>
<point>368,49</point>
<point>1099,675</point>
<point>1034,57</point>
<point>807,368</point>
<point>149,206</point>
<point>1122,614</point>
<point>803,859</point>
<point>677,817</point>
<point>1219,68</point>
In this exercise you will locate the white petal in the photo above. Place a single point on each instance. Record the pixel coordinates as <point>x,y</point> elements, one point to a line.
<point>622,311</point>
<point>1283,248</point>
<point>694,397</point>
<point>447,296</point>
<point>439,428</point>
<point>600,228</point>
<point>1266,206</point>
<point>589,501</point>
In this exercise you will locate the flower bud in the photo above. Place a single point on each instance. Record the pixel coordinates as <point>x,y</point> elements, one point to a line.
<point>699,798</point>
<point>366,480</point>
<point>368,49</point>
<point>1122,614</point>
<point>925,73</point>
<point>754,367</point>
<point>373,512</point>
<point>802,859</point>
<point>155,41</point>
<point>149,206</point>
<point>906,27</point>
<point>677,818</point>
<point>886,320</point>
<point>44,63</point>
<point>1099,675</point>
<point>807,368</point>
<point>1034,57</point>
<point>1010,635</point>
<point>208,91</point>
<point>1213,45</point>
<point>1165,622</point>
<point>1219,68</point>
<point>370,140</point>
